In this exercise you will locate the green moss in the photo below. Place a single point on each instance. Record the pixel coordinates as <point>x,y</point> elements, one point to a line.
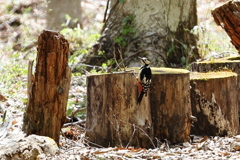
<point>211,75</point>
<point>223,60</point>
<point>163,70</point>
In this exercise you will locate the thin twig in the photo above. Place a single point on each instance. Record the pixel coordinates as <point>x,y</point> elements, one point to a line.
<point>134,130</point>
<point>74,123</point>
<point>158,142</point>
<point>93,143</point>
<point>105,13</point>
<point>120,53</point>
<point>166,142</point>
<point>142,131</point>
<point>78,110</point>
<point>109,15</point>
<point>114,57</point>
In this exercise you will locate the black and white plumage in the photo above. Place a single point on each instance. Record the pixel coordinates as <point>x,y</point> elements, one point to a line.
<point>144,78</point>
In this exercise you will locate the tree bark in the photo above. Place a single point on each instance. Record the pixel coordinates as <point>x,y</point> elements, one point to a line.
<point>115,119</point>
<point>139,28</point>
<point>48,88</point>
<point>214,102</point>
<point>227,16</point>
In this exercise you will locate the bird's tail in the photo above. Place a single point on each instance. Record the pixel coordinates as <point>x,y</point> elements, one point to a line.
<point>140,97</point>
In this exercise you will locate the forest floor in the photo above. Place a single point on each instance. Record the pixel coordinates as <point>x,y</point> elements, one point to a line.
<point>22,21</point>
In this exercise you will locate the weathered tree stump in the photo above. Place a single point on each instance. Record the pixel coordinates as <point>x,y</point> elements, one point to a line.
<point>170,104</point>
<point>113,116</point>
<point>214,102</point>
<point>225,64</point>
<point>48,88</point>
<point>227,16</point>
<point>115,119</point>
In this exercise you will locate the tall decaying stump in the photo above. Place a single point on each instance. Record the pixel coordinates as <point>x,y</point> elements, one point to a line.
<point>214,102</point>
<point>48,88</point>
<point>170,104</point>
<point>227,16</point>
<point>115,119</point>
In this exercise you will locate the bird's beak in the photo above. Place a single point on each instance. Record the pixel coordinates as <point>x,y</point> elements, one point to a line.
<point>140,57</point>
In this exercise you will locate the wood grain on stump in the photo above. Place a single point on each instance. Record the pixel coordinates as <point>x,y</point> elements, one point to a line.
<point>214,102</point>
<point>48,88</point>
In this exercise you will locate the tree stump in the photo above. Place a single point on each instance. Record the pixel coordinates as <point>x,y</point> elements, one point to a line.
<point>170,104</point>
<point>48,88</point>
<point>214,102</point>
<point>227,16</point>
<point>115,119</point>
<point>229,64</point>
<point>113,116</point>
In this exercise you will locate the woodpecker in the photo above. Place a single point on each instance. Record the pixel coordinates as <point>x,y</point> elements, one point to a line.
<point>144,78</point>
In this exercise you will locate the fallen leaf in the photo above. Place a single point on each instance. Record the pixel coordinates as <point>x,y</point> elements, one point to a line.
<point>2,98</point>
<point>119,148</point>
<point>14,122</point>
<point>157,157</point>
<point>106,150</point>
<point>203,139</point>
<point>236,146</point>
<point>135,150</point>
<point>224,153</point>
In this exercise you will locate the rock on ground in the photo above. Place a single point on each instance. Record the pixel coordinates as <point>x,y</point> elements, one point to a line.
<point>30,147</point>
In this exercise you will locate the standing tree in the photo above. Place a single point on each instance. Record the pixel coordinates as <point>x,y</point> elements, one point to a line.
<point>160,30</point>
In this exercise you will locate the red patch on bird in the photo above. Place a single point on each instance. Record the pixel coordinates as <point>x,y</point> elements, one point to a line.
<point>140,86</point>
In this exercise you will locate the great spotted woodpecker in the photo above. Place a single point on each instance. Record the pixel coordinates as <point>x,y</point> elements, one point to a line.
<point>144,78</point>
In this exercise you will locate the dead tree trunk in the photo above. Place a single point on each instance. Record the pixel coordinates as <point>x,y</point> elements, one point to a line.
<point>170,104</point>
<point>214,102</point>
<point>227,16</point>
<point>115,119</point>
<point>48,88</point>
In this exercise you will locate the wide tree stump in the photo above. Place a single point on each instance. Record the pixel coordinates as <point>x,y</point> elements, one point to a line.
<point>170,104</point>
<point>225,64</point>
<point>48,88</point>
<point>227,16</point>
<point>115,119</point>
<point>113,116</point>
<point>214,102</point>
